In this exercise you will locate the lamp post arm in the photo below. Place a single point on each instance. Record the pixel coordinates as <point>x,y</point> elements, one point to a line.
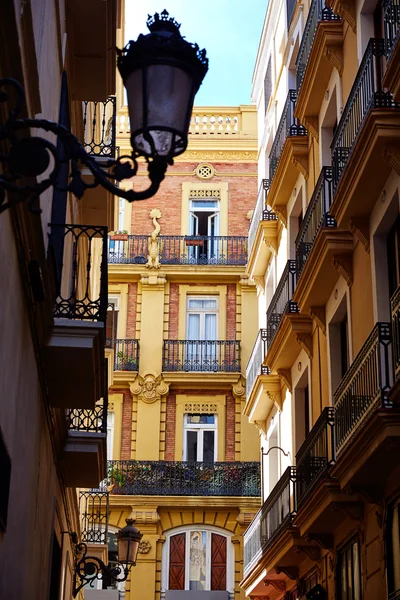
<point>90,568</point>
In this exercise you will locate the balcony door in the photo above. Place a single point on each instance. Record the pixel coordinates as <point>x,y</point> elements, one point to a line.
<point>201,327</point>
<point>200,438</point>
<point>204,222</point>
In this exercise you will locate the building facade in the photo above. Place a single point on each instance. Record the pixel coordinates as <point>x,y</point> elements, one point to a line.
<point>322,381</point>
<point>53,388</point>
<point>182,315</point>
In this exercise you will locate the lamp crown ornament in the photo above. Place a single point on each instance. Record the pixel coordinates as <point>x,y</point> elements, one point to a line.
<point>162,21</point>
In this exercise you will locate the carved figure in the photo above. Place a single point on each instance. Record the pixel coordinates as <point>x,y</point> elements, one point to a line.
<point>154,243</point>
<point>149,388</point>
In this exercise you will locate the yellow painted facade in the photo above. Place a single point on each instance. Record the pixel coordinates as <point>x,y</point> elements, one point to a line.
<point>323,378</point>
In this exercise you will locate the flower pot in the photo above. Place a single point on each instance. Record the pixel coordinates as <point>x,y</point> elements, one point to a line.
<point>122,237</point>
<point>193,242</point>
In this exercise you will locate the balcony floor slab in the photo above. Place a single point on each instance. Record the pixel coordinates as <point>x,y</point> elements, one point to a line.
<point>285,346</point>
<point>84,459</point>
<point>264,246</point>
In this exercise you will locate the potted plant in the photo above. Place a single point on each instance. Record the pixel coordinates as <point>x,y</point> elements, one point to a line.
<point>126,362</point>
<point>194,240</point>
<point>115,479</point>
<point>121,235</point>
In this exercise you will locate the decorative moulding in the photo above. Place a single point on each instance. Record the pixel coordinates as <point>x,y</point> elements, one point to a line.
<point>149,388</point>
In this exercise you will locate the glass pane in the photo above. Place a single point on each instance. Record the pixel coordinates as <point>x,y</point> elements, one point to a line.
<point>209,204</point>
<point>191,446</point>
<point>211,329</point>
<point>356,571</point>
<point>201,419</point>
<point>205,304</point>
<point>350,574</point>
<point>343,578</point>
<point>197,560</point>
<point>193,332</point>
<point>208,446</point>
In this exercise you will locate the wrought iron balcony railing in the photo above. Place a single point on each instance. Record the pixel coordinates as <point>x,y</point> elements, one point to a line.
<point>394,595</point>
<point>318,13</point>
<point>395,310</point>
<point>261,213</point>
<point>316,455</point>
<point>365,386</point>
<point>255,365</point>
<point>288,126</point>
<point>94,510</point>
<point>317,216</point>
<point>201,355</point>
<point>126,355</point>
<point>89,420</point>
<point>99,125</point>
<point>366,94</point>
<point>252,544</point>
<point>281,302</point>
<point>181,250</point>
<point>391,25</point>
<point>81,278</point>
<point>279,508</point>
<point>169,478</point>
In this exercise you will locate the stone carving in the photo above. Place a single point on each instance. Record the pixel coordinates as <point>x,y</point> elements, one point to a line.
<point>201,408</point>
<point>154,244</point>
<point>144,547</point>
<point>149,388</point>
<point>239,388</point>
<point>205,171</point>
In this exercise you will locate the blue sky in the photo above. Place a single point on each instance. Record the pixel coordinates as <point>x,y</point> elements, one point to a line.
<point>228,29</point>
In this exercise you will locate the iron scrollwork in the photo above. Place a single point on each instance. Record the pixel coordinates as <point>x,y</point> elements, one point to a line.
<point>90,568</point>
<point>24,158</point>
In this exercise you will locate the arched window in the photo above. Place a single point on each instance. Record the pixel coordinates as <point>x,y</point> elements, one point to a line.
<point>199,558</point>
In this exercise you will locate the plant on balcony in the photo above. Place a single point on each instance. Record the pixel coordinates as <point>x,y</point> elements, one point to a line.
<point>126,362</point>
<point>115,479</point>
<point>121,235</point>
<point>193,241</point>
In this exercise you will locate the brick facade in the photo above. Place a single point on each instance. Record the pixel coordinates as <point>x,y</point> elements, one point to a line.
<point>132,309</point>
<point>126,432</point>
<point>231,312</point>
<point>170,428</point>
<point>230,428</point>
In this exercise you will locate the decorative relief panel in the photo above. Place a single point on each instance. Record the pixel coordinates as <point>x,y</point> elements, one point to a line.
<point>201,408</point>
<point>205,194</point>
<point>205,171</point>
<point>149,388</point>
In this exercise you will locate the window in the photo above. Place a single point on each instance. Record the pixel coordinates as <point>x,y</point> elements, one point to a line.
<point>110,435</point>
<point>197,561</point>
<point>393,257</point>
<point>202,318</point>
<point>393,547</point>
<point>112,321</point>
<point>339,344</point>
<point>5,470</point>
<point>200,438</point>
<point>349,572</point>
<point>204,218</point>
<point>267,85</point>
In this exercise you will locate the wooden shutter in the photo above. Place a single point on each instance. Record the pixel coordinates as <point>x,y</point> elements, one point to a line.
<point>177,562</point>
<point>218,562</point>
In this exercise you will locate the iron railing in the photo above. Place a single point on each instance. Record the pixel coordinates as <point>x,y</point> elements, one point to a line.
<point>281,302</point>
<point>317,216</point>
<point>279,508</point>
<point>318,13</point>
<point>89,420</point>
<point>262,212</point>
<point>170,478</point>
<point>365,386</point>
<point>255,366</point>
<point>394,595</point>
<point>94,509</point>
<point>288,127</point>
<point>126,355</point>
<point>366,94</point>
<point>316,455</point>
<point>181,250</point>
<point>395,310</point>
<point>391,25</point>
<point>99,126</point>
<point>252,550</point>
<point>80,278</point>
<point>201,355</point>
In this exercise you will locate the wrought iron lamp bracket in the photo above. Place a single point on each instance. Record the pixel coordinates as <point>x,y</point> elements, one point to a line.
<point>90,568</point>
<point>24,158</point>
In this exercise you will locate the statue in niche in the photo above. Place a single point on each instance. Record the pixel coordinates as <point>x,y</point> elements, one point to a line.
<point>154,243</point>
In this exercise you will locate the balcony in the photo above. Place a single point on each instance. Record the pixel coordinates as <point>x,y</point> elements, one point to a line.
<point>365,386</point>
<point>316,455</point>
<point>85,451</point>
<point>94,511</point>
<point>201,356</point>
<point>276,515</point>
<point>391,20</point>
<point>99,139</point>
<point>181,250</point>
<point>74,355</point>
<point>255,366</point>
<point>317,216</point>
<point>263,233</point>
<point>361,147</point>
<point>395,310</point>
<point>126,355</point>
<point>288,157</point>
<point>281,302</point>
<point>320,51</point>
<point>168,478</point>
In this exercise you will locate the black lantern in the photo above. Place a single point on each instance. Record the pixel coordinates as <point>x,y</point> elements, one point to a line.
<point>128,539</point>
<point>162,73</point>
<point>90,568</point>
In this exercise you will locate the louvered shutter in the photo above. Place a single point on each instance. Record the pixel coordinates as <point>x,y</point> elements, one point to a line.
<point>177,562</point>
<point>218,562</point>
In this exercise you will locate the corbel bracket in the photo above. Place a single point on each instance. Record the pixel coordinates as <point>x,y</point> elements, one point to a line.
<point>343,264</point>
<point>278,584</point>
<point>360,228</point>
<point>313,552</point>
<point>335,56</point>
<point>305,342</point>
<point>354,510</point>
<point>291,572</point>
<point>301,163</point>
<point>392,156</point>
<point>324,540</point>
<point>312,124</point>
<point>286,378</point>
<point>317,313</point>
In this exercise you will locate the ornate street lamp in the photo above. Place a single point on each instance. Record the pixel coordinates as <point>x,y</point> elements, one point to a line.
<point>90,568</point>
<point>161,72</point>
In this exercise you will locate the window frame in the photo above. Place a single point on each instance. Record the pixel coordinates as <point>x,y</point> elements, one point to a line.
<point>202,313</point>
<point>200,428</point>
<point>342,554</point>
